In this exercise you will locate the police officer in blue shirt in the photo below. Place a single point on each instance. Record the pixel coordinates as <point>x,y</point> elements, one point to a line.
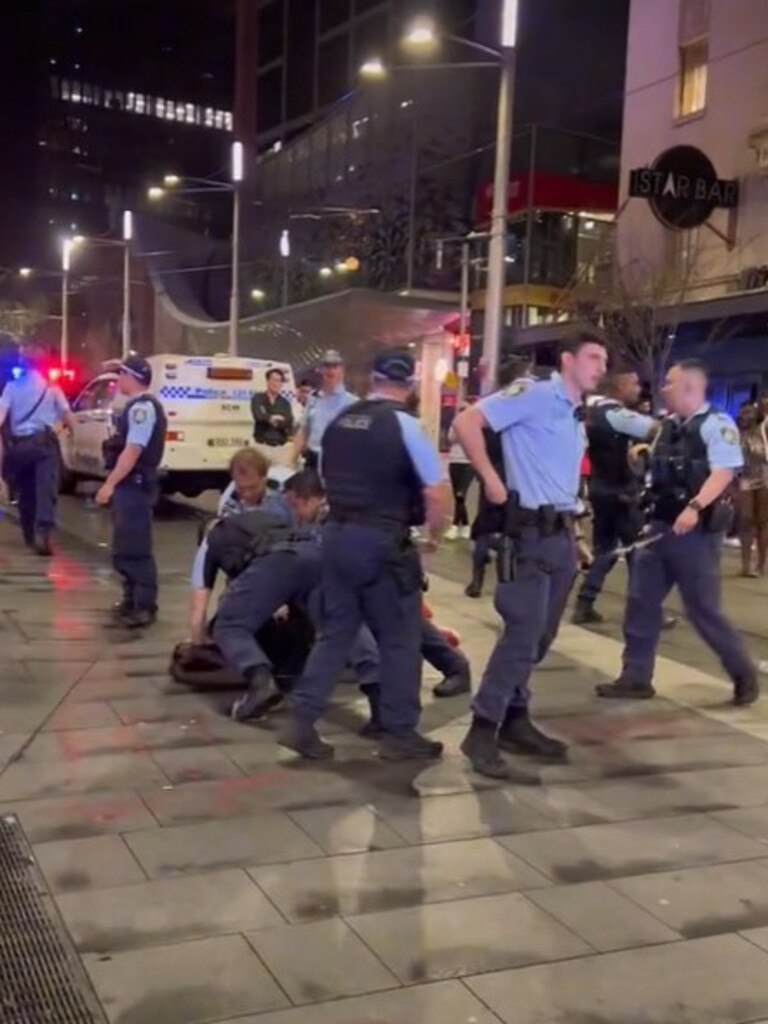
<point>382,476</point>
<point>692,464</point>
<point>31,408</point>
<point>614,489</point>
<point>543,441</point>
<point>132,457</point>
<point>322,407</point>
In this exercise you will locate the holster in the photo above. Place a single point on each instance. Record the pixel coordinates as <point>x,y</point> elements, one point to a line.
<point>506,561</point>
<point>405,566</point>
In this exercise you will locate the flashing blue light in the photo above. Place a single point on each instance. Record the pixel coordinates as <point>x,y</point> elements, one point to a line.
<point>17,371</point>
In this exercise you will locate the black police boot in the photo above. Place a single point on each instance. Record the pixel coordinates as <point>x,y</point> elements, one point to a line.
<point>409,746</point>
<point>43,543</point>
<point>373,728</point>
<point>482,749</point>
<point>139,618</point>
<point>584,613</point>
<point>303,739</point>
<point>746,689</point>
<point>625,689</point>
<point>261,696</point>
<point>454,685</point>
<point>475,586</point>
<point>518,735</point>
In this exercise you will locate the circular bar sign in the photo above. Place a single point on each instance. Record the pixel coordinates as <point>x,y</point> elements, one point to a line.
<point>682,188</point>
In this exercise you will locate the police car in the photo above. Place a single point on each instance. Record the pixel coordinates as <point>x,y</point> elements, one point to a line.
<point>208,403</point>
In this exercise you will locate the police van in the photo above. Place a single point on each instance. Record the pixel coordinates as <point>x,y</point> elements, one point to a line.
<point>207,400</point>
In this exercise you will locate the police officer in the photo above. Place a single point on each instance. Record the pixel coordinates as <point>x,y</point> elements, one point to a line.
<point>30,408</point>
<point>543,443</point>
<point>322,408</point>
<point>132,457</point>
<point>614,489</point>
<point>382,477</point>
<point>692,463</point>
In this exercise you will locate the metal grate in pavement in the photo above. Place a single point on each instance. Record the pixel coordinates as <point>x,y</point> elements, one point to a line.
<point>41,978</point>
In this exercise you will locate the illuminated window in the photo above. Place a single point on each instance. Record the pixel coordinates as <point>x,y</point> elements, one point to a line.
<point>66,92</point>
<point>179,111</point>
<point>228,122</point>
<point>209,117</point>
<point>130,102</point>
<point>139,104</point>
<point>692,83</point>
<point>219,119</point>
<point>77,96</point>
<point>159,108</point>
<point>170,111</point>
<point>190,113</point>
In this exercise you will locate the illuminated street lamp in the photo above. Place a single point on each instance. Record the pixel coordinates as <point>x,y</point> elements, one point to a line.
<point>373,68</point>
<point>155,193</point>
<point>66,263</point>
<point>171,181</point>
<point>326,272</point>
<point>258,295</point>
<point>25,271</point>
<point>127,239</point>
<point>421,35</point>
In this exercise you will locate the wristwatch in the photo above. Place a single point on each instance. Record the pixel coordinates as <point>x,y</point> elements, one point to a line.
<point>696,506</point>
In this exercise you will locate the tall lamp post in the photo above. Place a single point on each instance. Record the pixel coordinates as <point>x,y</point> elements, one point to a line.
<point>66,263</point>
<point>172,183</point>
<point>127,239</point>
<point>238,173</point>
<point>285,253</point>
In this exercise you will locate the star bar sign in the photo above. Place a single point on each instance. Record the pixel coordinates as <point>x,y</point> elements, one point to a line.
<point>682,188</point>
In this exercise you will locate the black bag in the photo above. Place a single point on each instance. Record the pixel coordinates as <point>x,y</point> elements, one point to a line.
<point>286,643</point>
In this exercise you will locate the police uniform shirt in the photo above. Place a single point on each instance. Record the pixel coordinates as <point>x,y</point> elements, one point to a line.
<point>543,441</point>
<point>321,409</point>
<point>721,437</point>
<point>630,423</point>
<point>20,397</point>
<point>422,453</point>
<point>142,417</point>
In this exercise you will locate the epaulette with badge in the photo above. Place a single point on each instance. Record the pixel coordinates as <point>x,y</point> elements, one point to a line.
<point>518,387</point>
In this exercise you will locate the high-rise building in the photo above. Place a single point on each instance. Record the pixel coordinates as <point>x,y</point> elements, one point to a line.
<point>100,100</point>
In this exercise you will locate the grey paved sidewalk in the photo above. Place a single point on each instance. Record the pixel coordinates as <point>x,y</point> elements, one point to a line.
<point>206,876</point>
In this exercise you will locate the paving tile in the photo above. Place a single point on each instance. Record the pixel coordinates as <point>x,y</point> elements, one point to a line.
<point>142,737</point>
<point>347,829</point>
<point>722,789</point>
<point>214,845</point>
<point>171,910</point>
<point>752,821</point>
<point>461,816</point>
<point>98,862</point>
<point>189,983</point>
<point>704,901</point>
<point>366,882</point>
<point>448,1002</point>
<point>631,848</point>
<point>603,917</point>
<point>75,817</point>
<point>720,980</point>
<point>319,961</point>
<point>450,940</point>
<point>196,764</point>
<point>625,725</point>
<point>156,707</point>
<point>81,715</point>
<point>28,780</point>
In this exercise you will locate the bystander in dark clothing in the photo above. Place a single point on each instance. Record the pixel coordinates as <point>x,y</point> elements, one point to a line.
<point>272,413</point>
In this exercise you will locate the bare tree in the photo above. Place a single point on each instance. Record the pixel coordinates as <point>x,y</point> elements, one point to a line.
<point>19,320</point>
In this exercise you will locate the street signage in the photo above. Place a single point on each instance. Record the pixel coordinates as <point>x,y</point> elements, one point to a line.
<point>682,188</point>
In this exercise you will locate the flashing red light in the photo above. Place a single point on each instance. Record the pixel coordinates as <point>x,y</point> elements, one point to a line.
<point>59,374</point>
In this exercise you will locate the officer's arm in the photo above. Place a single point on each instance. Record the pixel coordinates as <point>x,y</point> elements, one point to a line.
<point>202,587</point>
<point>468,427</point>
<point>427,466</point>
<point>633,424</point>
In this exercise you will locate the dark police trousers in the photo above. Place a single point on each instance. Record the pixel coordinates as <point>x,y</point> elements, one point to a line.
<point>614,523</point>
<point>438,652</point>
<point>367,579</point>
<point>133,503</point>
<point>34,468</point>
<point>271,581</point>
<point>692,561</point>
<point>531,606</point>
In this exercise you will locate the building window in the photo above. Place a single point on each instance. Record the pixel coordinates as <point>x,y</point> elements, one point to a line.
<point>692,85</point>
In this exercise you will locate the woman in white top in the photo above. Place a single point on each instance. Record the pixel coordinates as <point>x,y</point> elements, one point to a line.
<point>461,476</point>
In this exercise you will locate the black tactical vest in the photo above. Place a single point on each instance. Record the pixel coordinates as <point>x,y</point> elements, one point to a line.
<point>152,454</point>
<point>678,466</point>
<point>234,542</point>
<point>368,473</point>
<point>608,450</point>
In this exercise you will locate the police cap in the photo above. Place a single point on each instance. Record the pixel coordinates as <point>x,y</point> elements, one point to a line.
<point>138,368</point>
<point>396,366</point>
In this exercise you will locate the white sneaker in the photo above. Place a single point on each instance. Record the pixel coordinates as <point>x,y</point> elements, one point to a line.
<point>465,532</point>
<point>452,533</point>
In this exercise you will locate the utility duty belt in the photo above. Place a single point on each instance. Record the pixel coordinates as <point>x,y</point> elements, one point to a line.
<point>546,519</point>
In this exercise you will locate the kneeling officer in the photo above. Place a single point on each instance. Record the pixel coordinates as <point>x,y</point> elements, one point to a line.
<point>132,457</point>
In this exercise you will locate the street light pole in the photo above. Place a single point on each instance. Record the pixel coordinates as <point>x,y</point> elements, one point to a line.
<point>285,252</point>
<point>238,169</point>
<point>127,239</point>
<point>66,261</point>
<point>497,249</point>
<point>412,193</point>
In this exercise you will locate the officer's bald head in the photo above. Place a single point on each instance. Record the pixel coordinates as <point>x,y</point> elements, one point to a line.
<point>685,387</point>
